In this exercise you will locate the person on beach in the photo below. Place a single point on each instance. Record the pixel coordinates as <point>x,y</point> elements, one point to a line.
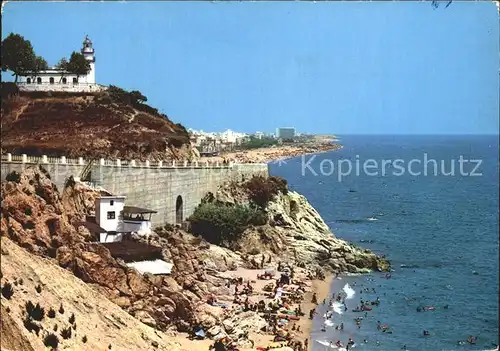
<point>341,326</point>
<point>314,299</point>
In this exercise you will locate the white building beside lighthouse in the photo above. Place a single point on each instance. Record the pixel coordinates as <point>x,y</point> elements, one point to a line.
<point>55,79</point>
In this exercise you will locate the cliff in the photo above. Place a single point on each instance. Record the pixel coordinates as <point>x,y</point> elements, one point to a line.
<point>293,231</point>
<point>108,124</point>
<point>59,253</point>
<point>97,323</point>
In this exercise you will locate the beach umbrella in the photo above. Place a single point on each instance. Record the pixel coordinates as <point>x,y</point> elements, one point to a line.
<point>200,333</point>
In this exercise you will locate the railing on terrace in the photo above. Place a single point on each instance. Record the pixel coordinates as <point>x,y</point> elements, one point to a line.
<point>111,163</point>
<point>68,84</point>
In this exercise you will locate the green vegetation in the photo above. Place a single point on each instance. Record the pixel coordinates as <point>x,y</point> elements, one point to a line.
<point>35,312</point>
<point>13,177</point>
<point>66,333</point>
<point>221,223</point>
<point>255,143</point>
<point>31,325</point>
<point>51,340</point>
<point>77,64</point>
<point>19,57</point>
<point>7,290</point>
<point>51,313</point>
<point>262,190</point>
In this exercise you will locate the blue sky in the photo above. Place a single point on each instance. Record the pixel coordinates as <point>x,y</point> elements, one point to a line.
<point>329,67</point>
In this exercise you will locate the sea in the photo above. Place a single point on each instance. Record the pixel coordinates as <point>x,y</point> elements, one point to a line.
<point>436,223</point>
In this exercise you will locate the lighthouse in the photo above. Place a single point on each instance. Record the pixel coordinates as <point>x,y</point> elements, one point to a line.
<point>88,52</point>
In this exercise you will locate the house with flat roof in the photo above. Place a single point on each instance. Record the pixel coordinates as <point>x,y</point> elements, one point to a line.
<point>113,220</point>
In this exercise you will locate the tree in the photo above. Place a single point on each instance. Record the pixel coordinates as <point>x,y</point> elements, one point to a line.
<point>137,97</point>
<point>18,55</point>
<point>39,64</point>
<point>78,64</point>
<point>63,66</point>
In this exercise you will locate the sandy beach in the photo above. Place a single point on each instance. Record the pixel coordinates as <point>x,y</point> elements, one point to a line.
<point>275,153</point>
<point>322,290</point>
<point>262,339</point>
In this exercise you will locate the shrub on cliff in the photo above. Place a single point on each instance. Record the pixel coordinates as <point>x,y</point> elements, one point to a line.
<point>7,290</point>
<point>13,177</point>
<point>262,190</point>
<point>221,223</point>
<point>35,312</point>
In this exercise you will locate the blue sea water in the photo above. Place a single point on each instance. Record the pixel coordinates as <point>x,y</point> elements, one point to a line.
<point>443,228</point>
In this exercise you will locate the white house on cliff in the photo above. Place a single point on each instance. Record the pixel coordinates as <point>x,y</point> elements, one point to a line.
<point>58,80</point>
<point>113,221</point>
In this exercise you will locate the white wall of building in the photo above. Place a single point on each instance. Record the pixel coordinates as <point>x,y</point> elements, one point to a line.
<point>107,207</point>
<point>140,227</point>
<point>110,238</point>
<point>55,80</point>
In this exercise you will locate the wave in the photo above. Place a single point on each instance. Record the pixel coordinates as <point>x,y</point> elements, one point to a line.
<point>424,265</point>
<point>329,323</point>
<point>409,266</point>
<point>337,307</point>
<point>327,343</point>
<point>349,291</point>
<point>356,221</point>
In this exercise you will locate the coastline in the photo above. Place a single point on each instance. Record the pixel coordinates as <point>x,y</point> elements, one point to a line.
<point>322,289</point>
<point>273,154</point>
<point>229,316</point>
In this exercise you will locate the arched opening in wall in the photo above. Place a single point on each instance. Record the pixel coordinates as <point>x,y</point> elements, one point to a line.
<point>28,80</point>
<point>39,80</point>
<point>64,80</point>
<point>75,80</point>
<point>178,210</point>
<point>51,80</point>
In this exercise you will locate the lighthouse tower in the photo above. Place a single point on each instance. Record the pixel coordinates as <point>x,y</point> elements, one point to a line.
<point>88,53</point>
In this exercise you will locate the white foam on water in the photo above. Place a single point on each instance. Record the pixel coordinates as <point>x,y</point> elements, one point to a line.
<point>329,323</point>
<point>349,291</point>
<point>337,307</point>
<point>327,343</point>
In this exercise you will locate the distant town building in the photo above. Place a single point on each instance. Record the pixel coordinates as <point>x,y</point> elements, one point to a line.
<point>258,135</point>
<point>55,79</point>
<point>285,133</point>
<point>212,142</point>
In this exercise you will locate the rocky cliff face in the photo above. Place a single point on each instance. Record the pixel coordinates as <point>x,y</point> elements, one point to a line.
<point>39,218</point>
<point>296,233</point>
<point>91,125</point>
<point>97,323</point>
<point>42,219</point>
